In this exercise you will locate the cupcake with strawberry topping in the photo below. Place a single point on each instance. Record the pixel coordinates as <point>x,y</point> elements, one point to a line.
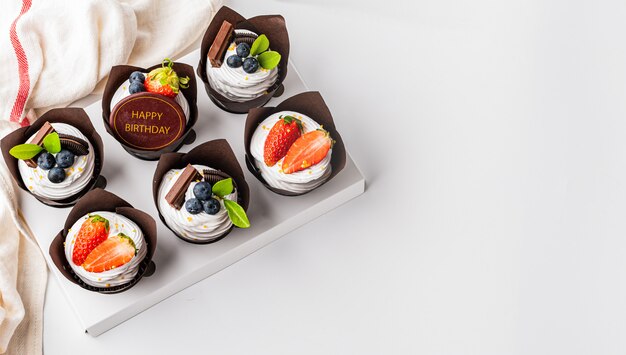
<point>106,245</point>
<point>294,148</point>
<point>292,152</point>
<point>104,249</point>
<point>151,111</point>
<point>163,81</point>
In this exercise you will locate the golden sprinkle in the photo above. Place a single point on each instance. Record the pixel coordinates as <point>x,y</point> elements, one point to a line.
<point>189,219</point>
<point>99,279</point>
<point>30,178</point>
<point>107,285</point>
<point>30,187</point>
<point>205,227</point>
<point>80,169</point>
<point>246,78</point>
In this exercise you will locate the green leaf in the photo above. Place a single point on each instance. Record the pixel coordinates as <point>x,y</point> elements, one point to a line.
<point>52,143</point>
<point>236,214</point>
<point>260,45</point>
<point>269,60</point>
<point>223,187</point>
<point>25,151</point>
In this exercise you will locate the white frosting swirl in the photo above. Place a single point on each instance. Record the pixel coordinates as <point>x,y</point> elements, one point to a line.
<point>237,85</point>
<point>301,181</point>
<point>123,92</point>
<point>194,227</point>
<point>120,275</point>
<point>77,176</point>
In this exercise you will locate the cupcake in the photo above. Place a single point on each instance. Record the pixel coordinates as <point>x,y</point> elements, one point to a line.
<point>294,148</point>
<point>57,159</point>
<point>202,195</point>
<point>244,62</point>
<point>106,245</point>
<point>151,111</point>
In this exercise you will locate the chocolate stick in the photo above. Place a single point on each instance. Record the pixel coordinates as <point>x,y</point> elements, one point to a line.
<point>38,140</point>
<point>176,195</point>
<point>220,43</point>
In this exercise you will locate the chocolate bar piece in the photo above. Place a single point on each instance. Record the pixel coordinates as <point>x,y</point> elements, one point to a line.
<point>38,140</point>
<point>220,43</point>
<point>176,195</point>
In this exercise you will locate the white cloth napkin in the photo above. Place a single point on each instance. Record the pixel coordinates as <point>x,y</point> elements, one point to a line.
<point>53,52</point>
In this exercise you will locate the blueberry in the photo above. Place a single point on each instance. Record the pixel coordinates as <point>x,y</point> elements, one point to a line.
<point>243,50</point>
<point>234,61</point>
<point>65,158</point>
<point>202,191</point>
<point>137,76</point>
<point>56,175</point>
<point>250,65</point>
<point>211,206</point>
<point>136,87</point>
<point>46,161</point>
<point>193,206</point>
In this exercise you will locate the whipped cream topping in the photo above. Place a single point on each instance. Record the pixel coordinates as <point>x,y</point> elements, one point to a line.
<point>120,275</point>
<point>123,92</point>
<point>194,227</point>
<point>301,181</point>
<point>237,85</point>
<point>77,176</point>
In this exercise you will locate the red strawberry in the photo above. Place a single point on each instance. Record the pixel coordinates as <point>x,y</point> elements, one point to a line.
<point>307,151</point>
<point>93,231</point>
<point>113,252</point>
<point>282,135</point>
<point>164,80</point>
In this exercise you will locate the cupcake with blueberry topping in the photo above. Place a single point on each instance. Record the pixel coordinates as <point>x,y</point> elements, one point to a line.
<point>55,159</point>
<point>294,148</point>
<point>244,62</point>
<point>201,195</point>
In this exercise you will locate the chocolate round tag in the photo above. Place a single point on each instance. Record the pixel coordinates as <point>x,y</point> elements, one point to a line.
<point>148,121</point>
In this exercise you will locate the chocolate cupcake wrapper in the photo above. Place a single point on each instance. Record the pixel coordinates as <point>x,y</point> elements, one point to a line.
<point>274,27</point>
<point>218,155</point>
<point>73,116</point>
<point>101,200</point>
<point>119,74</point>
<point>308,103</point>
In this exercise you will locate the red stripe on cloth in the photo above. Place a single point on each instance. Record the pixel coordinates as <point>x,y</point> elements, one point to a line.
<point>22,67</point>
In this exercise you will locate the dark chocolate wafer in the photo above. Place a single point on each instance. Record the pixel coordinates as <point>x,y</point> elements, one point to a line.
<point>176,195</point>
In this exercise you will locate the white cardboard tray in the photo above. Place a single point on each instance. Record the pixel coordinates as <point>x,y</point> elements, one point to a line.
<point>180,264</point>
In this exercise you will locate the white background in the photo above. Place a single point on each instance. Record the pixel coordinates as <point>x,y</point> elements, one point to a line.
<point>491,135</point>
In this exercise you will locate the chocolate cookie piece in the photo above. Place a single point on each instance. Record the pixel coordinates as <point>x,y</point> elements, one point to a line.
<point>75,145</point>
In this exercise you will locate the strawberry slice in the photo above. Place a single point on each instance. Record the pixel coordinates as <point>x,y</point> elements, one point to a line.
<point>165,81</point>
<point>93,231</point>
<point>307,151</point>
<point>282,135</point>
<point>113,252</point>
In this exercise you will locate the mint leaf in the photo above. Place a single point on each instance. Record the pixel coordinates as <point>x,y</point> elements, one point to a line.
<point>269,60</point>
<point>236,214</point>
<point>223,187</point>
<point>260,45</point>
<point>52,143</point>
<point>25,151</point>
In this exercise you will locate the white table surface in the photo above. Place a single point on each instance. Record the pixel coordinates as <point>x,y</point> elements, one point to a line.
<point>491,134</point>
